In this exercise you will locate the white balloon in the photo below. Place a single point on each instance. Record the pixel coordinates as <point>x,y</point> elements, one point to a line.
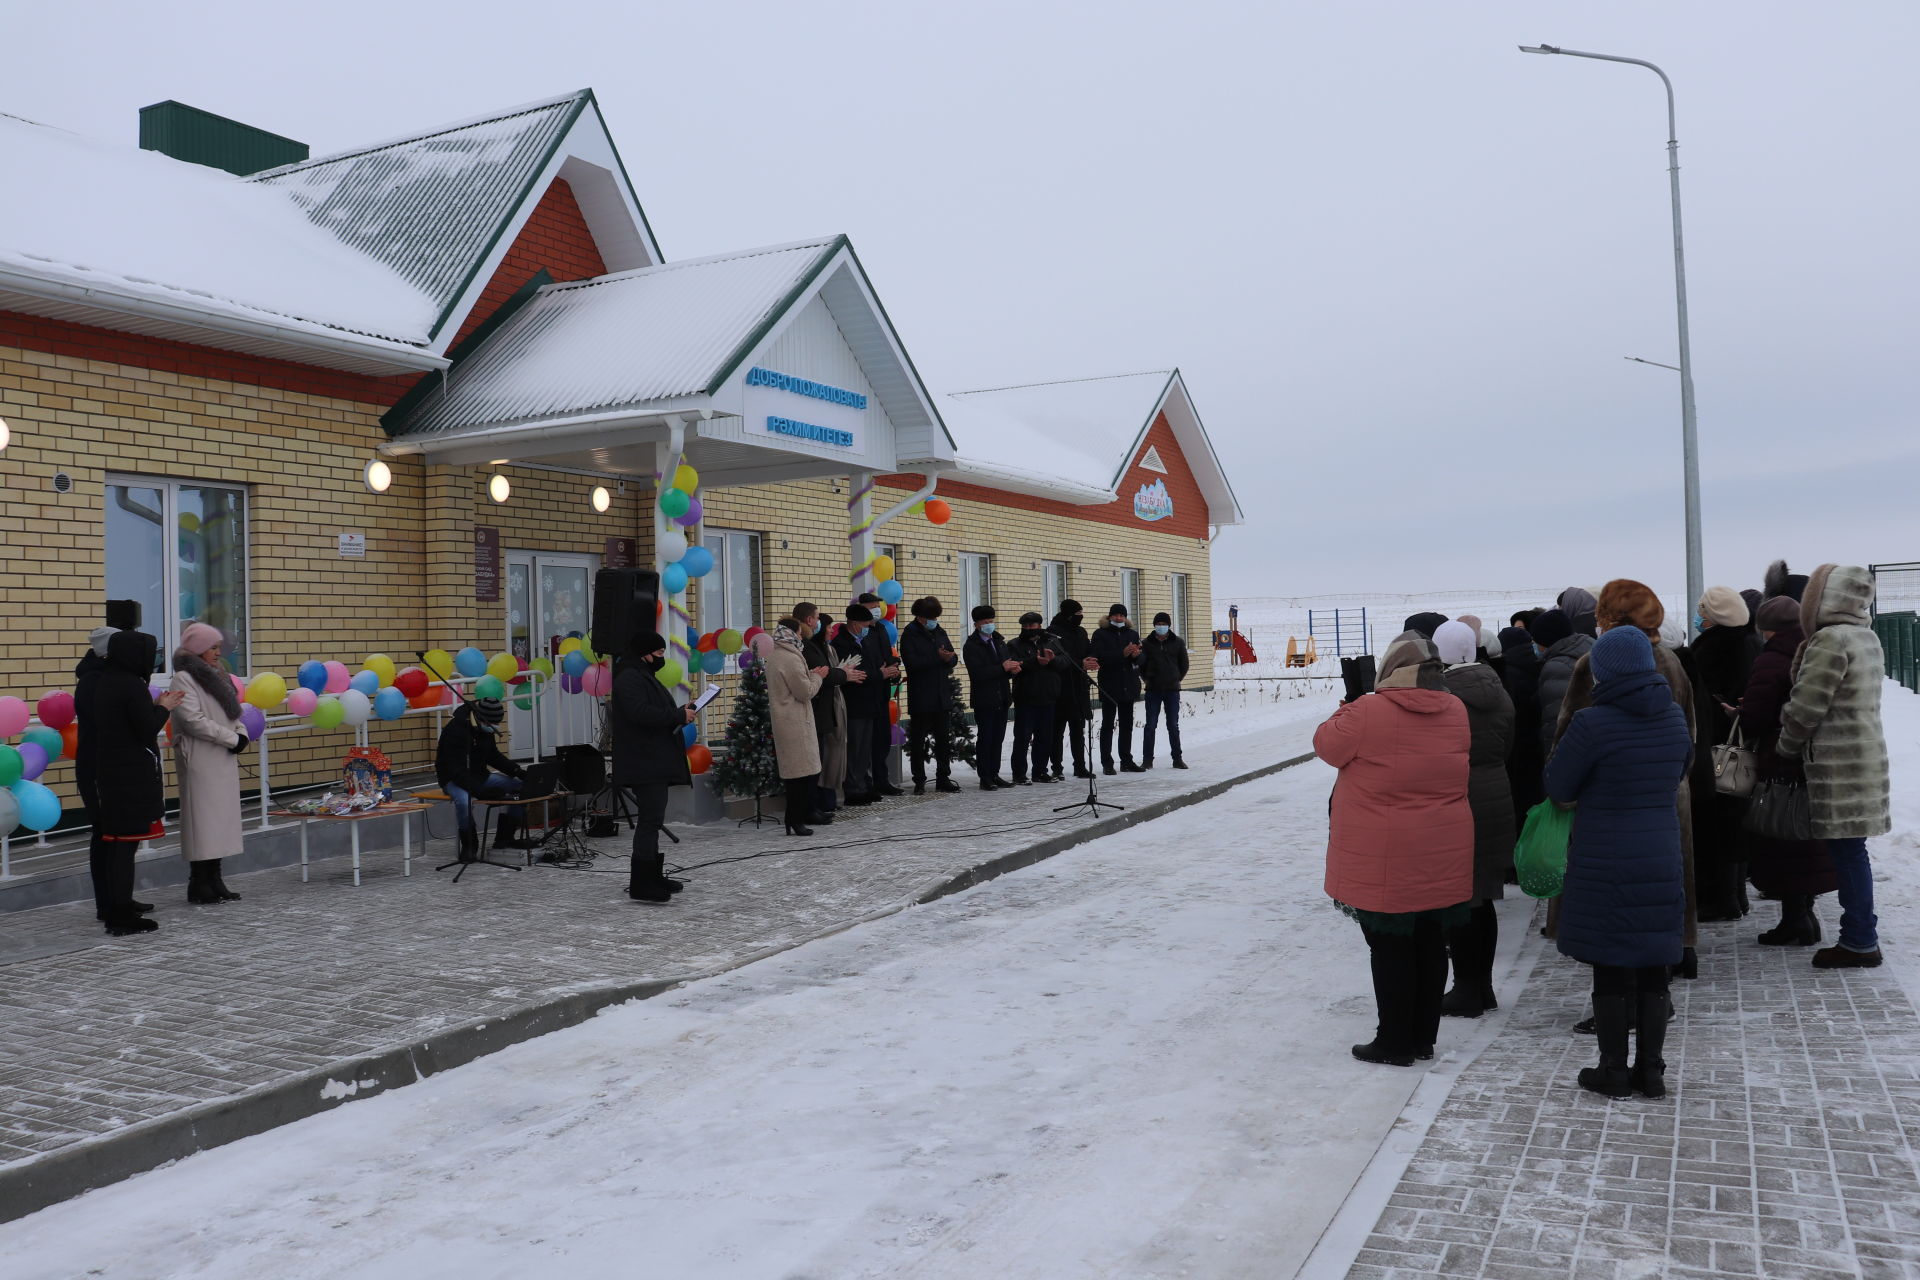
<point>357,706</point>
<point>672,546</point>
<point>9,812</point>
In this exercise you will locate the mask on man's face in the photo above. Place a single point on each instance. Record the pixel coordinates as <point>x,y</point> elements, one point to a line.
<point>1030,633</point>
<point>1160,631</point>
<point>988,628</point>
<point>930,623</point>
<point>1117,622</point>
<point>859,629</point>
<point>654,661</point>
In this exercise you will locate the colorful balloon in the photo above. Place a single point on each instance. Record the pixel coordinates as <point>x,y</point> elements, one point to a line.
<point>569,684</point>
<point>302,701</point>
<point>355,706</point>
<point>472,663</point>
<point>390,704</point>
<point>713,662</point>
<point>312,675</point>
<point>428,697</point>
<point>239,687</point>
<point>503,667</point>
<point>673,545</point>
<point>685,477</point>
<point>698,562</point>
<point>938,512</point>
<point>48,740</point>
<point>691,516</point>
<point>689,734</point>
<point>69,742</point>
<point>570,644</point>
<point>574,665</point>
<point>673,578</point>
<point>543,665</point>
<point>411,683</point>
<point>254,721</point>
<point>382,666</point>
<point>699,758</point>
<point>891,591</point>
<point>439,664</point>
<point>489,687</point>
<point>762,645</point>
<point>267,690</point>
<point>882,568</point>
<point>730,641</point>
<point>893,712</point>
<point>674,503</point>
<point>55,709</point>
<point>746,637</point>
<point>39,808</point>
<point>328,713</point>
<point>33,761</point>
<point>365,682</point>
<point>11,770</point>
<point>898,737</point>
<point>339,679</point>
<point>14,717</point>
<point>671,673</point>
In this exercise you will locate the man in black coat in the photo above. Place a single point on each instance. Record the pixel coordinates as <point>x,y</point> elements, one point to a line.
<point>990,671</point>
<point>468,762</point>
<point>1075,708</point>
<point>826,724</point>
<point>1163,667</point>
<point>929,659</point>
<point>649,755</point>
<point>1043,664</point>
<point>869,731</point>
<point>117,767</point>
<point>1116,651</point>
<point>1520,674</point>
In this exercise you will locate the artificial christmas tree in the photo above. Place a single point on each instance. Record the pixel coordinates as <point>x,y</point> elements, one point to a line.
<point>748,768</point>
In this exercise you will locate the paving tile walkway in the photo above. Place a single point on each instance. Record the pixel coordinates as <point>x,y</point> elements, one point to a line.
<point>101,1033</point>
<point>1786,1149</point>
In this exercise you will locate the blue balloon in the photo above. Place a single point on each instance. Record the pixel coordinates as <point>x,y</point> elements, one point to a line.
<point>891,591</point>
<point>673,579</point>
<point>693,638</point>
<point>713,662</point>
<point>366,682</point>
<point>690,734</point>
<point>312,675</point>
<point>389,703</point>
<point>698,562</point>
<point>470,662</point>
<point>893,632</point>
<point>574,664</point>
<point>39,807</point>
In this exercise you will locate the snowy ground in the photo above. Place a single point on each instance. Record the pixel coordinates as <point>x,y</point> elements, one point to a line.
<point>1127,1061</point>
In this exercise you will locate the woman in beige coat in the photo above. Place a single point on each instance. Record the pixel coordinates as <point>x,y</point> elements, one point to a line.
<point>207,741</point>
<point>796,745</point>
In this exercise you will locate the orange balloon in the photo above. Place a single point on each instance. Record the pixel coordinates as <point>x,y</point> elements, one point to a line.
<point>428,697</point>
<point>699,759</point>
<point>893,713</point>
<point>938,512</point>
<point>70,739</point>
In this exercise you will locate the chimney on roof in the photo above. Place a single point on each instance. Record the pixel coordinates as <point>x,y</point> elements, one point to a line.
<point>201,137</point>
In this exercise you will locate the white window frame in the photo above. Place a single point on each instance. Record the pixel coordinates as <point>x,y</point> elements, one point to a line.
<point>976,570</point>
<point>169,487</point>
<point>1130,595</point>
<point>1052,594</point>
<point>714,588</point>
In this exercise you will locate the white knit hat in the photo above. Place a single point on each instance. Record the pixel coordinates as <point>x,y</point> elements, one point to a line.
<point>1456,642</point>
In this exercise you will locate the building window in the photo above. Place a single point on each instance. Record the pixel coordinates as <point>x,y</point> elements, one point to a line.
<point>1179,610</point>
<point>198,574</point>
<point>730,595</point>
<point>1053,587</point>
<point>976,584</point>
<point>1130,594</point>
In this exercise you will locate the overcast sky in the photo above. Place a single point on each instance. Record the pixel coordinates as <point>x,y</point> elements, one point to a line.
<point>1398,261</point>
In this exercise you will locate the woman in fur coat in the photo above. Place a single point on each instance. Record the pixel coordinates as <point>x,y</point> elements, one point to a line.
<point>207,741</point>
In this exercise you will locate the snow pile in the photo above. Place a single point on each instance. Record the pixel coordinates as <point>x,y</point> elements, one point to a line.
<point>140,224</point>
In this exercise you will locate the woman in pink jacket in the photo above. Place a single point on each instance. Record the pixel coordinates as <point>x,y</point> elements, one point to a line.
<point>1400,853</point>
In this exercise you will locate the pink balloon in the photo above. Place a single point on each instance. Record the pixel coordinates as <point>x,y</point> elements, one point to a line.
<point>239,687</point>
<point>446,696</point>
<point>301,702</point>
<point>13,717</point>
<point>762,645</point>
<point>338,677</point>
<point>55,709</point>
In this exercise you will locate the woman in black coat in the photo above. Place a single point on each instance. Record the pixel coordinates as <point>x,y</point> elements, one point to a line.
<point>649,755</point>
<point>117,763</point>
<point>1490,717</point>
<point>1721,660</point>
<point>1794,871</point>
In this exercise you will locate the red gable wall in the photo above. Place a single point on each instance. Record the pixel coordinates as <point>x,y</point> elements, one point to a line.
<point>554,238</point>
<point>1189,518</point>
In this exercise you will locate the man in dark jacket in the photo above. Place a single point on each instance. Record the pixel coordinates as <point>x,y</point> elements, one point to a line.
<point>1043,664</point>
<point>117,767</point>
<point>869,732</point>
<point>100,852</point>
<point>929,659</point>
<point>826,719</point>
<point>1116,653</point>
<point>990,670</point>
<point>1075,709</point>
<point>1520,674</point>
<point>468,763</point>
<point>649,755</point>
<point>1163,665</point>
<point>1560,648</point>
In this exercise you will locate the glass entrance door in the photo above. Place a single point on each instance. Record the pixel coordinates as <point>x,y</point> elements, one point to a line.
<point>549,598</point>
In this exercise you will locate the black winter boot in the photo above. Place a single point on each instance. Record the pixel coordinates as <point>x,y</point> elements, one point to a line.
<point>1798,926</point>
<point>121,925</point>
<point>200,887</point>
<point>1472,948</point>
<point>1651,1012</point>
<point>506,834</point>
<point>1611,1079</point>
<point>219,883</point>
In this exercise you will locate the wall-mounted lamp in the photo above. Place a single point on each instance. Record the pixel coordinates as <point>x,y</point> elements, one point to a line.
<point>498,489</point>
<point>6,434</point>
<point>377,475</point>
<point>600,498</point>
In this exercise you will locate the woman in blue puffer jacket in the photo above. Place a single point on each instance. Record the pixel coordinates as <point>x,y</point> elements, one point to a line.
<point>1621,761</point>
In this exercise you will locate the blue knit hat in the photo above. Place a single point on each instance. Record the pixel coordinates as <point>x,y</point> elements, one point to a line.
<point>1623,651</point>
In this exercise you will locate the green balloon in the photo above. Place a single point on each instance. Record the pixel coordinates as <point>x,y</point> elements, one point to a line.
<point>489,687</point>
<point>671,672</point>
<point>328,713</point>
<point>49,739</point>
<point>10,766</point>
<point>674,503</point>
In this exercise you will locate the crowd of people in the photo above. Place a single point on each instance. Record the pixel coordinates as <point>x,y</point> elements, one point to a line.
<point>1601,705</point>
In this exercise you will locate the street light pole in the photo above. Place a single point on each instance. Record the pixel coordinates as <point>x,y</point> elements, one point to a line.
<point>1689,439</point>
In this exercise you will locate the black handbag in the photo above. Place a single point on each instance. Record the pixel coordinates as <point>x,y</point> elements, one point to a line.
<point>1780,810</point>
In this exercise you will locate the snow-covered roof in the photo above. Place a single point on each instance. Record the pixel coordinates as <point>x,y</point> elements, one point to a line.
<point>136,226</point>
<point>1086,432</point>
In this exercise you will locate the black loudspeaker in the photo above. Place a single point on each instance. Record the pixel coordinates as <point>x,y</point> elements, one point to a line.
<point>623,605</point>
<point>583,770</point>
<point>123,615</point>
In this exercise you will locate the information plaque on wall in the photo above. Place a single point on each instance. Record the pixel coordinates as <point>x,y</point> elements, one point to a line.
<point>618,554</point>
<point>486,563</point>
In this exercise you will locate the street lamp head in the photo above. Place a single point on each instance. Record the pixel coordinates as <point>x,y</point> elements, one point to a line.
<point>1538,48</point>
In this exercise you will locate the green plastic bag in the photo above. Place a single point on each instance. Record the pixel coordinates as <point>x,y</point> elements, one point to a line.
<point>1540,856</point>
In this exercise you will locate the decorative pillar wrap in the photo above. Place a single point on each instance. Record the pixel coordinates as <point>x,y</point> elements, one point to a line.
<point>859,531</point>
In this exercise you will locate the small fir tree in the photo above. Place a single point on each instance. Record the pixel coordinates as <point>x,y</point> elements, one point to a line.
<point>748,768</point>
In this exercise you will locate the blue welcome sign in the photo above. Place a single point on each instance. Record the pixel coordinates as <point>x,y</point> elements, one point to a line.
<point>1153,502</point>
<point>758,377</point>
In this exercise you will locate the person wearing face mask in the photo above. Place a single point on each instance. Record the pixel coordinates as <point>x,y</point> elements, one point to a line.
<point>791,684</point>
<point>869,736</point>
<point>118,761</point>
<point>207,741</point>
<point>1163,665</point>
<point>1116,658</point>
<point>929,659</point>
<point>1074,712</point>
<point>829,709</point>
<point>1043,663</point>
<point>649,756</point>
<point>990,670</point>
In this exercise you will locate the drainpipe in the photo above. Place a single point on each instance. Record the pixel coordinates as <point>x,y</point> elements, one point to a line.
<point>861,522</point>
<point>667,459</point>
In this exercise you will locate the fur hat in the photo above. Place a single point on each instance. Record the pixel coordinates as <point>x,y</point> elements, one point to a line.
<point>1622,651</point>
<point>927,607</point>
<point>1723,607</point>
<point>1425,623</point>
<point>1456,642</point>
<point>1782,613</point>
<point>1626,603</point>
<point>1550,628</point>
<point>1779,582</point>
<point>983,613</point>
<point>859,613</point>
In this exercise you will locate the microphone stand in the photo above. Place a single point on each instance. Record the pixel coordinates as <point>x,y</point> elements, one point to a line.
<point>1093,804</point>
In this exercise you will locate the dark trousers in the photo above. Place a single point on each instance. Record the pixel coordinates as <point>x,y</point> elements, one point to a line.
<point>1409,978</point>
<point>1109,712</point>
<point>860,735</point>
<point>799,799</point>
<point>1068,728</point>
<point>929,733</point>
<point>1156,702</point>
<point>989,735</point>
<point>647,868</point>
<point>1859,926</point>
<point>1611,981</point>
<point>1473,946</point>
<point>879,747</point>
<point>111,862</point>
<point>1032,726</point>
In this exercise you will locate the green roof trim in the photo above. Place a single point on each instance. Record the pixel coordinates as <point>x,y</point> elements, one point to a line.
<point>394,420</point>
<point>760,331</point>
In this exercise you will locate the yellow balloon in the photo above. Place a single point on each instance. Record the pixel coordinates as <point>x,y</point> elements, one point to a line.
<point>686,478</point>
<point>381,665</point>
<point>568,645</point>
<point>266,691</point>
<point>503,667</point>
<point>883,568</point>
<point>439,664</point>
